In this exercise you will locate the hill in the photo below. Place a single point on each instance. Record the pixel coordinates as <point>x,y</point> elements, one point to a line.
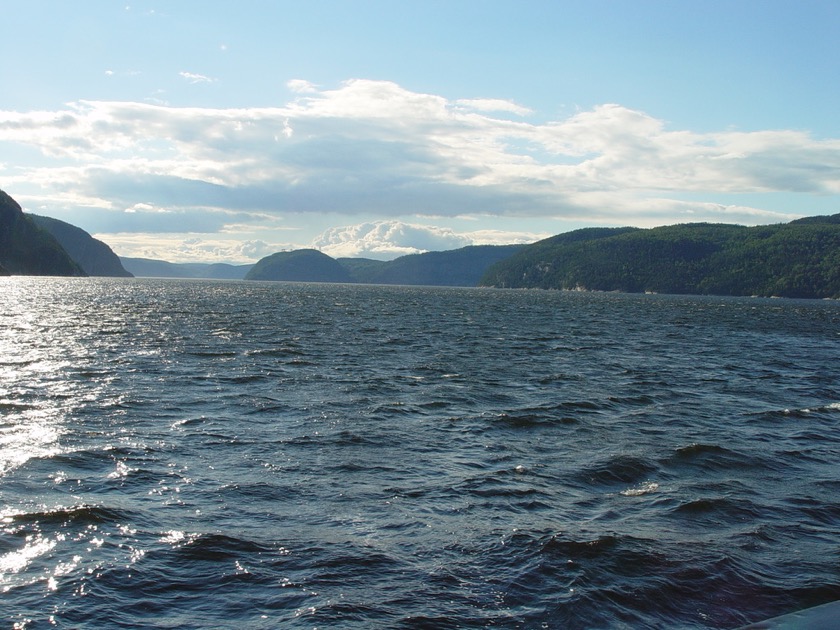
<point>92,255</point>
<point>462,267</point>
<point>797,259</point>
<point>302,265</point>
<point>27,249</point>
<point>151,268</point>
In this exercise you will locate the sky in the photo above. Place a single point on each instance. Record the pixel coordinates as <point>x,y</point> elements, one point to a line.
<point>205,131</point>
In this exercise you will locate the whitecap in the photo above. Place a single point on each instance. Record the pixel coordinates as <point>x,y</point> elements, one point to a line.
<point>642,489</point>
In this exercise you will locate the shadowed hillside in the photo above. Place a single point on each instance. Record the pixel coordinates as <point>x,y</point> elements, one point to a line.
<point>151,268</point>
<point>27,249</point>
<point>462,267</point>
<point>92,255</point>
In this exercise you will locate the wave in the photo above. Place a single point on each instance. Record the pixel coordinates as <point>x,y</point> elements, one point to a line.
<point>81,514</point>
<point>710,457</point>
<point>214,547</point>
<point>720,509</point>
<point>797,413</point>
<point>619,469</point>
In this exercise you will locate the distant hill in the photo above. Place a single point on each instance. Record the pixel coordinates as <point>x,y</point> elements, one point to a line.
<point>27,249</point>
<point>92,255</point>
<point>797,259</point>
<point>364,270</point>
<point>462,267</point>
<point>302,265</point>
<point>151,268</point>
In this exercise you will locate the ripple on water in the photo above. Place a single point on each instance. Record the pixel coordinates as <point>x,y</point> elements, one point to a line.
<point>219,454</point>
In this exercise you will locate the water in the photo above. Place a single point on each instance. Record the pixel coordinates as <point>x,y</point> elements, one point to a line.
<point>194,454</point>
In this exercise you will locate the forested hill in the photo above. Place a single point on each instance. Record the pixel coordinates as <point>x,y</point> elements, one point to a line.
<point>797,259</point>
<point>26,249</point>
<point>462,267</point>
<point>302,265</point>
<point>92,255</point>
<point>459,267</point>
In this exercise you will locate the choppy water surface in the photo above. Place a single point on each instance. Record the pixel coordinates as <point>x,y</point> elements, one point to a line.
<point>198,454</point>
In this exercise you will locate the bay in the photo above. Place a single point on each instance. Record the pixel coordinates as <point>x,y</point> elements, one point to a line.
<point>198,454</point>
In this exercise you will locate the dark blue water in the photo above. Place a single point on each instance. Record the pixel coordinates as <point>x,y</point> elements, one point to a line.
<point>197,454</point>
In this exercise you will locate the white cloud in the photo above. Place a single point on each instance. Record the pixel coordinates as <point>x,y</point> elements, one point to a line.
<point>192,77</point>
<point>374,148</point>
<point>502,237</point>
<point>145,207</point>
<point>385,240</point>
<point>204,248</point>
<point>301,86</point>
<point>493,105</point>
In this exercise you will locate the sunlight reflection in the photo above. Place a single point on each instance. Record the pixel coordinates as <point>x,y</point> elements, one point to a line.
<point>23,436</point>
<point>35,356</point>
<point>17,561</point>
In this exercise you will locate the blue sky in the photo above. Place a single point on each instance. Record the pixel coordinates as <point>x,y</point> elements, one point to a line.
<point>219,131</point>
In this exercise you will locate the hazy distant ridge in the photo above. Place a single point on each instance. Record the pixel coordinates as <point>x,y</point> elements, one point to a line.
<point>151,268</point>
<point>460,267</point>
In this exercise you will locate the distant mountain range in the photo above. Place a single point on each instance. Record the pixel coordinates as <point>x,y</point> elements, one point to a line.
<point>460,267</point>
<point>796,259</point>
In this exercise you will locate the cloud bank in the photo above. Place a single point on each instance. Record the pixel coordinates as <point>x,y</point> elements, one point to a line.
<point>374,148</point>
<point>385,240</point>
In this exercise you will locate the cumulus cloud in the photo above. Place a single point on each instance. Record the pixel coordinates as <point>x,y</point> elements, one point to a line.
<point>375,148</point>
<point>385,240</point>
<point>504,237</point>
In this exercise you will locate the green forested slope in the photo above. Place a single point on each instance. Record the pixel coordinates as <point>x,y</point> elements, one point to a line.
<point>797,259</point>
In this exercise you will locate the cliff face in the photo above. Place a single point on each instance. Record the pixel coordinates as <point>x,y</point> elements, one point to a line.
<point>92,255</point>
<point>26,249</point>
